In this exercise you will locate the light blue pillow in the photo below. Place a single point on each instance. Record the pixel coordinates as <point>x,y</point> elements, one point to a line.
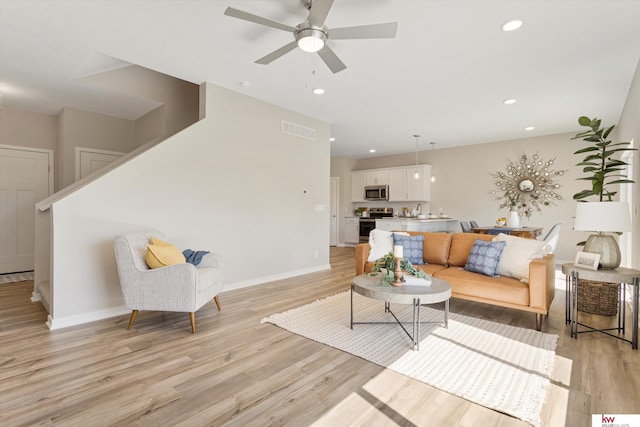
<point>484,257</point>
<point>412,247</point>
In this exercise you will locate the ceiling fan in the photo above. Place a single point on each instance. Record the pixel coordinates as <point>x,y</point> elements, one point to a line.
<point>312,34</point>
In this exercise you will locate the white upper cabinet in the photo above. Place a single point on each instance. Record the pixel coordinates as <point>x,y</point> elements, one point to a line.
<point>397,185</point>
<point>403,187</point>
<point>378,177</point>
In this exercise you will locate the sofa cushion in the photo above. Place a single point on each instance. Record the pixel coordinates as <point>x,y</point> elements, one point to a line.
<point>381,243</point>
<point>461,244</point>
<point>478,287</point>
<point>412,247</point>
<point>484,257</point>
<point>517,255</point>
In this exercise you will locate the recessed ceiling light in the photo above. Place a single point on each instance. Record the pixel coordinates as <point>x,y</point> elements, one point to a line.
<point>529,128</point>
<point>512,25</point>
<point>509,101</point>
<point>373,150</point>
<point>332,139</point>
<point>318,91</point>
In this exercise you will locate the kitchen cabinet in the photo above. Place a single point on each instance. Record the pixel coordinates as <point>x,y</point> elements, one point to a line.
<point>352,230</point>
<point>377,177</point>
<point>398,185</point>
<point>357,186</point>
<point>403,187</point>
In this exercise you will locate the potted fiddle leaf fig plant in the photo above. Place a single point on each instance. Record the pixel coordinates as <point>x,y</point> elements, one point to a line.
<point>603,167</point>
<point>599,164</point>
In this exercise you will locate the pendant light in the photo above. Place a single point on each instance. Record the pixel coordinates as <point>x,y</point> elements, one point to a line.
<point>433,177</point>
<point>416,175</point>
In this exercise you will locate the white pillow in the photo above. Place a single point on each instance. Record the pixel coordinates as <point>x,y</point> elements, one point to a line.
<point>517,254</point>
<point>381,243</point>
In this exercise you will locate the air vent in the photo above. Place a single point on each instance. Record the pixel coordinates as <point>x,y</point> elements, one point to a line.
<point>298,130</point>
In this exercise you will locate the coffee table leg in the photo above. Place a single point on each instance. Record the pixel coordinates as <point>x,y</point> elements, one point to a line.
<point>351,306</point>
<point>446,314</point>
<point>416,324</point>
<point>634,327</point>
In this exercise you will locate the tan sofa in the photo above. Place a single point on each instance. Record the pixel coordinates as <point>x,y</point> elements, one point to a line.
<point>445,256</point>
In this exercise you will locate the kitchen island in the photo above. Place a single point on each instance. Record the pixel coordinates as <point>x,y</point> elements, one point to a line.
<point>447,225</point>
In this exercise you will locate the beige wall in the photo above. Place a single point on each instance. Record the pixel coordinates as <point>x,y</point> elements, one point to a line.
<point>79,128</point>
<point>179,98</point>
<point>150,127</point>
<point>28,129</point>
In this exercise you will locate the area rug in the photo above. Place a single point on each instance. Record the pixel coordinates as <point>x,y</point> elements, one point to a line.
<point>498,366</point>
<point>16,277</point>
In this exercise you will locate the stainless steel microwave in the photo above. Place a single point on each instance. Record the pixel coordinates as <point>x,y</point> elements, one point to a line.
<point>376,192</point>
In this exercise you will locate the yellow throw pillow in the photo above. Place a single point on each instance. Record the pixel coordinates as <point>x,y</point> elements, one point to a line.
<point>158,242</point>
<point>161,254</point>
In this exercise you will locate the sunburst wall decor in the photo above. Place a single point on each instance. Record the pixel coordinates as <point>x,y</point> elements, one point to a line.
<point>528,184</point>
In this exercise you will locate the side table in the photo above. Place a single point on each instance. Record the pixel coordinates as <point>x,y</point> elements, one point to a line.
<point>619,275</point>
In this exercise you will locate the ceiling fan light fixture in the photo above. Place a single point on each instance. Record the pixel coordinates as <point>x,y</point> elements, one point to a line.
<point>311,39</point>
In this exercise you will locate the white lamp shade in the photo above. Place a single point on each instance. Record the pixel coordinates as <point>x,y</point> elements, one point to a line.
<point>603,216</point>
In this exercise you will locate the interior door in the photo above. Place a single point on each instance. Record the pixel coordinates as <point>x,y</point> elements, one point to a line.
<point>25,179</point>
<point>89,160</point>
<point>333,207</point>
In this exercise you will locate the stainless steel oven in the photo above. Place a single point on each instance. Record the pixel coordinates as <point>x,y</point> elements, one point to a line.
<point>369,223</point>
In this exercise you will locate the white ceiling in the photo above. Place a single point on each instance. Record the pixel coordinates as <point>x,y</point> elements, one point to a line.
<point>444,76</point>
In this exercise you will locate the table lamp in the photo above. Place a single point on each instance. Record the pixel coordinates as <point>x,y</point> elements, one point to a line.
<point>603,217</point>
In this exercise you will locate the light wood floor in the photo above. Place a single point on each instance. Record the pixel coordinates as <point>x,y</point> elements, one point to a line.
<point>236,371</point>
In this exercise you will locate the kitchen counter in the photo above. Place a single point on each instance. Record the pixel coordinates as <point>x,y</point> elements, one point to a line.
<point>450,225</point>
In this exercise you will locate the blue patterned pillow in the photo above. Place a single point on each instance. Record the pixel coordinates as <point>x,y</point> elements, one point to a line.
<point>484,257</point>
<point>412,247</point>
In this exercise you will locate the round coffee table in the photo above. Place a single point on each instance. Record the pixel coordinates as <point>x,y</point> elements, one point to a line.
<point>368,285</point>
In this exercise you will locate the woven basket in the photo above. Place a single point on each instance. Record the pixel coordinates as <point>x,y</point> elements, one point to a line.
<point>598,298</point>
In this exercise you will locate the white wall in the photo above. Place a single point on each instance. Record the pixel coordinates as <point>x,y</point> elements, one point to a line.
<point>230,183</point>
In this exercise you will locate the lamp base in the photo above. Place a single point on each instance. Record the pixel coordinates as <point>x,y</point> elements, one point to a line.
<point>607,246</point>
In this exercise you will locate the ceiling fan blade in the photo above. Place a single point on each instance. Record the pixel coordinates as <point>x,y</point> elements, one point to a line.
<point>235,13</point>
<point>277,53</point>
<point>319,11</point>
<point>331,59</point>
<point>373,31</point>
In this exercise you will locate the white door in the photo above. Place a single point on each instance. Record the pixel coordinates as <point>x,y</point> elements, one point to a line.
<point>333,202</point>
<point>89,160</point>
<point>25,179</point>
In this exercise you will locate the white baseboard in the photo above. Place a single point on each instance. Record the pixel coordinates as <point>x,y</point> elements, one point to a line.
<point>272,278</point>
<point>79,319</point>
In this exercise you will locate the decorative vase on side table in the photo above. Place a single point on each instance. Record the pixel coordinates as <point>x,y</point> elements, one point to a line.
<point>513,219</point>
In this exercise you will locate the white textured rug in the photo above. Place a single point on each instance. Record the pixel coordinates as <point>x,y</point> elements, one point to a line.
<point>16,277</point>
<point>498,366</point>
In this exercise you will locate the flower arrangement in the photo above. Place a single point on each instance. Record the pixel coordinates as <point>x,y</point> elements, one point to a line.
<point>388,262</point>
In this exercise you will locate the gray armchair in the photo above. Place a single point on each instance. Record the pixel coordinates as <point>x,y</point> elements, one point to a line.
<point>180,287</point>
